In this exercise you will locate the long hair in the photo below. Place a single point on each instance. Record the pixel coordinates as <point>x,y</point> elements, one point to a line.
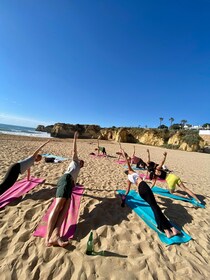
<point>152,174</point>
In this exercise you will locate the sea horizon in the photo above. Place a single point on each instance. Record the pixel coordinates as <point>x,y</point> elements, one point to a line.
<point>22,131</point>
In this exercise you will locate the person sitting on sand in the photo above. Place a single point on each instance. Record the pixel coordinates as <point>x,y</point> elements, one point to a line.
<point>171,179</point>
<point>138,161</point>
<point>62,199</point>
<point>20,167</point>
<point>101,149</point>
<point>163,224</point>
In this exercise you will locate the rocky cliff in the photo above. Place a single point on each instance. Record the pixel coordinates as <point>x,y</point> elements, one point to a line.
<point>155,137</point>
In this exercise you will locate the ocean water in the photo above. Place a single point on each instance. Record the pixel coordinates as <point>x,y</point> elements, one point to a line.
<point>21,130</point>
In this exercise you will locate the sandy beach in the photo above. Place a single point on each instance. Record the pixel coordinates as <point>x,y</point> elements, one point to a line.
<point>132,249</point>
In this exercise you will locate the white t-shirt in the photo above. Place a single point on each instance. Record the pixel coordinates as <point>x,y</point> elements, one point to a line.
<point>73,169</point>
<point>133,177</point>
<point>25,164</point>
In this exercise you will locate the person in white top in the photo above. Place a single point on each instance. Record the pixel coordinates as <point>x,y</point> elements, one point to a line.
<point>63,197</point>
<point>20,167</point>
<point>163,224</point>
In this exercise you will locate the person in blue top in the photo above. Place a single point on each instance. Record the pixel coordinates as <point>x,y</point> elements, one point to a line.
<point>20,167</point>
<point>65,186</point>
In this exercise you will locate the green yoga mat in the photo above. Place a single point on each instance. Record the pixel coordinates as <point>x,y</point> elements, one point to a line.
<point>143,210</point>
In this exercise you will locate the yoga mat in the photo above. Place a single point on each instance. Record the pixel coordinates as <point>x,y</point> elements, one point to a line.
<point>53,156</point>
<point>70,221</point>
<point>96,155</point>
<point>143,210</point>
<point>18,189</point>
<point>166,193</point>
<point>147,177</point>
<point>134,168</point>
<point>121,161</point>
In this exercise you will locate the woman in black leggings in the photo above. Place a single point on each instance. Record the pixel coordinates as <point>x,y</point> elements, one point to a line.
<point>19,168</point>
<point>146,193</point>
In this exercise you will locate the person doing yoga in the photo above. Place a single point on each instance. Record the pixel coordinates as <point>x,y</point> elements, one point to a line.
<point>171,179</point>
<point>19,168</point>
<point>101,149</point>
<point>137,160</point>
<point>163,224</point>
<point>63,198</point>
<point>120,153</point>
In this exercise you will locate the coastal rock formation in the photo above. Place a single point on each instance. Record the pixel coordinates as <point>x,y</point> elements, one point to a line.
<point>154,137</point>
<point>151,138</point>
<point>43,128</point>
<point>119,135</point>
<point>62,130</point>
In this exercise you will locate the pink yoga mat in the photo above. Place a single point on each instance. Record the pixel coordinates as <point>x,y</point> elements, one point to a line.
<point>70,221</point>
<point>147,177</point>
<point>96,155</point>
<point>18,189</point>
<point>121,161</point>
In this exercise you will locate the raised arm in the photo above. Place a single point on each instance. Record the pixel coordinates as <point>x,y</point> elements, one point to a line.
<point>134,151</point>
<point>37,151</point>
<point>148,156</point>
<point>128,187</point>
<point>162,162</point>
<point>75,156</point>
<point>128,162</point>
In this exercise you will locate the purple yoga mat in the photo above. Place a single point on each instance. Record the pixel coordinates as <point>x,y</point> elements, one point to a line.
<point>18,189</point>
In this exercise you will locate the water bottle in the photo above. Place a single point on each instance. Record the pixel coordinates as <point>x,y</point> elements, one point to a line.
<point>89,250</point>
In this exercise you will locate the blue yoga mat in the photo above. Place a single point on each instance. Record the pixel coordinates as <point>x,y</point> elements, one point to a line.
<point>53,156</point>
<point>143,210</point>
<point>166,193</point>
<point>134,168</point>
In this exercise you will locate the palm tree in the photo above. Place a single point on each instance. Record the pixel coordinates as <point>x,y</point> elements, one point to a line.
<point>171,120</point>
<point>161,119</point>
<point>183,122</point>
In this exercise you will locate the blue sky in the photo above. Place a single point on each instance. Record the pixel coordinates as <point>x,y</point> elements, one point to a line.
<point>105,62</point>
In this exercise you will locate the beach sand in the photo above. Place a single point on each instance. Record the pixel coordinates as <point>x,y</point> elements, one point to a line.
<point>132,249</point>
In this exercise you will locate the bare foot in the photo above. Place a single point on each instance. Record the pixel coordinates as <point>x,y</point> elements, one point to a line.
<point>60,242</point>
<point>175,231</point>
<point>168,233</point>
<point>48,243</point>
<point>56,242</point>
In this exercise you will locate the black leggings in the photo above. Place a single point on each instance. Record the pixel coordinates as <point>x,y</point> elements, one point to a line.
<point>147,194</point>
<point>10,177</point>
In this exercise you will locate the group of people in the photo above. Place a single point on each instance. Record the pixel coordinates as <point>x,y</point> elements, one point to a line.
<point>65,185</point>
<point>68,180</point>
